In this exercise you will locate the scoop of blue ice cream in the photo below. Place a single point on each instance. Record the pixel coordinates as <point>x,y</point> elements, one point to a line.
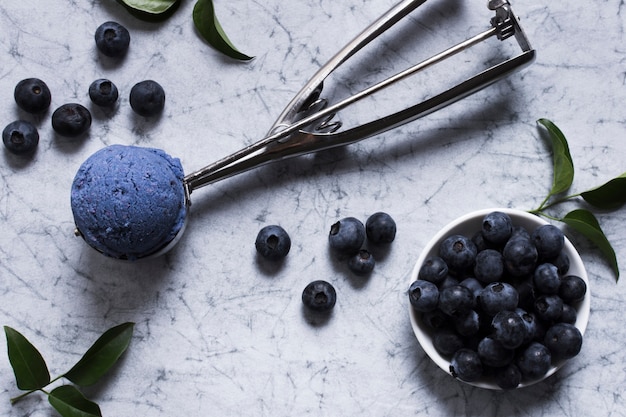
<point>128,201</point>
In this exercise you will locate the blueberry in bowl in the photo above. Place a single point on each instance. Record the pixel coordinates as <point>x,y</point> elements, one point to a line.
<point>529,306</point>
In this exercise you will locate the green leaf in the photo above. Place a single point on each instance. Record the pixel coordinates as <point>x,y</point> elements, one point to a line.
<point>586,223</point>
<point>151,10</point>
<point>563,164</point>
<point>209,27</point>
<point>101,356</point>
<point>610,195</point>
<point>69,402</point>
<point>29,367</point>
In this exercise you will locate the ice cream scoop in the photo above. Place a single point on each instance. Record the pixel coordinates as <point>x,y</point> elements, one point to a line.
<point>131,202</point>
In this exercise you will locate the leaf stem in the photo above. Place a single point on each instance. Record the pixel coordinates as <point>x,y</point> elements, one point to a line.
<point>20,397</point>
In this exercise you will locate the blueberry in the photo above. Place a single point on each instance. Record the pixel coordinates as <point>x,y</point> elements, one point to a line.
<point>564,341</point>
<point>458,252</point>
<point>568,315</point>
<point>32,95</point>
<point>20,137</point>
<point>449,281</point>
<point>112,39</point>
<point>520,256</point>
<point>489,266</point>
<point>447,341</point>
<point>467,324</point>
<point>498,296</point>
<point>456,300</point>
<point>71,119</point>
<point>466,365</point>
<point>423,295</point>
<point>474,286</point>
<point>546,279</point>
<point>347,236</point>
<point>549,241</point>
<point>273,242</point>
<point>380,228</point>
<point>508,329</point>
<point>319,296</point>
<point>362,263</point>
<point>519,231</point>
<point>534,361</point>
<point>549,307</point>
<point>562,262</point>
<point>573,288</point>
<point>103,92</point>
<point>533,329</point>
<point>508,377</point>
<point>497,227</point>
<point>493,353</point>
<point>433,269</point>
<point>435,319</point>
<point>147,98</point>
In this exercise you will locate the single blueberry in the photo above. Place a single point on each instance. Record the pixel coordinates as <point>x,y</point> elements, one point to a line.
<point>520,231</point>
<point>423,295</point>
<point>466,365</point>
<point>449,281</point>
<point>520,256</point>
<point>493,353</point>
<point>103,92</point>
<point>508,377</point>
<point>458,251</point>
<point>319,296</point>
<point>32,95</point>
<point>532,325</point>
<point>564,341</point>
<point>147,98</point>
<point>546,279</point>
<point>380,228</point>
<point>475,286</point>
<point>508,329</point>
<point>435,319</point>
<point>534,361</point>
<point>489,266</point>
<point>71,120</point>
<point>549,241</point>
<point>562,262</point>
<point>347,236</point>
<point>497,227</point>
<point>549,307</point>
<point>362,263</point>
<point>467,324</point>
<point>456,300</point>
<point>273,242</point>
<point>112,39</point>
<point>446,341</point>
<point>569,314</point>
<point>573,288</point>
<point>20,137</point>
<point>433,269</point>
<point>498,296</point>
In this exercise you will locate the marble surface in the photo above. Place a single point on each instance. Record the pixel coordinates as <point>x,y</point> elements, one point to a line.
<point>219,332</point>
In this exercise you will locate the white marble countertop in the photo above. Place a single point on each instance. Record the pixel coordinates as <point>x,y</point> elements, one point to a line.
<point>218,332</point>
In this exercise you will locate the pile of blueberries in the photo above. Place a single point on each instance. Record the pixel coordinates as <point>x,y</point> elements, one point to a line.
<point>500,305</point>
<point>346,238</point>
<point>32,95</point>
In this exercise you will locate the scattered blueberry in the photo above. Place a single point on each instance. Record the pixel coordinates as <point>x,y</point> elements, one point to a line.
<point>273,242</point>
<point>147,98</point>
<point>534,361</point>
<point>458,251</point>
<point>319,296</point>
<point>362,263</point>
<point>564,341</point>
<point>548,240</point>
<point>497,227</point>
<point>71,119</point>
<point>433,269</point>
<point>347,236</point>
<point>423,295</point>
<point>20,137</point>
<point>103,92</point>
<point>112,39</point>
<point>380,228</point>
<point>466,365</point>
<point>32,95</point>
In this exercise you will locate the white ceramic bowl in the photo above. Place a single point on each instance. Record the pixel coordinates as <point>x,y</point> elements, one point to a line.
<point>468,225</point>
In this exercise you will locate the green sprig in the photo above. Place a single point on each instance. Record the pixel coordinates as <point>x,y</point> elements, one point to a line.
<point>608,196</point>
<point>32,375</point>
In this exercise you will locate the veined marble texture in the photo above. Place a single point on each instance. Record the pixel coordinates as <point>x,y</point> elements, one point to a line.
<point>219,332</point>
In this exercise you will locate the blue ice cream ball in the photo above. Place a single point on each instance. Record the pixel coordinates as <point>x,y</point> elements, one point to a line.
<point>129,202</point>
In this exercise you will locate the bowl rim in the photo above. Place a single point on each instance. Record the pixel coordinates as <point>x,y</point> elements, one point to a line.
<point>576,268</point>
